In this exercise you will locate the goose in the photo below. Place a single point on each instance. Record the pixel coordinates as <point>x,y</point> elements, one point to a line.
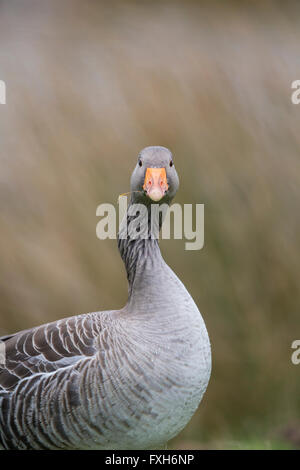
<point>119,379</point>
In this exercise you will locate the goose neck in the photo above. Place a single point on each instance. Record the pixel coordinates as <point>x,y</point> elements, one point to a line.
<point>138,244</point>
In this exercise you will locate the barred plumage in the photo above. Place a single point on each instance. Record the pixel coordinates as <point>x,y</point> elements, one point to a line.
<point>121,379</point>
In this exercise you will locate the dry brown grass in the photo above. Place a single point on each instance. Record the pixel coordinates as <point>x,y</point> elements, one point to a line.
<point>90,84</point>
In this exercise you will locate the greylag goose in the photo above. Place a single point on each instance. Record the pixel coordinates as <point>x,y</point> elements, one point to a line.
<point>119,379</point>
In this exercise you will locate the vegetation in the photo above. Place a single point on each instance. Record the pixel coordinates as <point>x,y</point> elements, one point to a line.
<point>89,84</point>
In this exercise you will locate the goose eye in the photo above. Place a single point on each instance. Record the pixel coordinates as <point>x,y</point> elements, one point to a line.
<point>140,163</point>
<point>171,163</point>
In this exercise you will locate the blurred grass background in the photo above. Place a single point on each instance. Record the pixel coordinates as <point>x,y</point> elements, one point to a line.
<point>89,84</point>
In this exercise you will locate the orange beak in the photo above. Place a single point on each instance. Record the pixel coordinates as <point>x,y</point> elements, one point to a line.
<point>155,183</point>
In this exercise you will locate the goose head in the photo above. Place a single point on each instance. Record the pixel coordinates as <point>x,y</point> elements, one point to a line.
<point>154,179</point>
